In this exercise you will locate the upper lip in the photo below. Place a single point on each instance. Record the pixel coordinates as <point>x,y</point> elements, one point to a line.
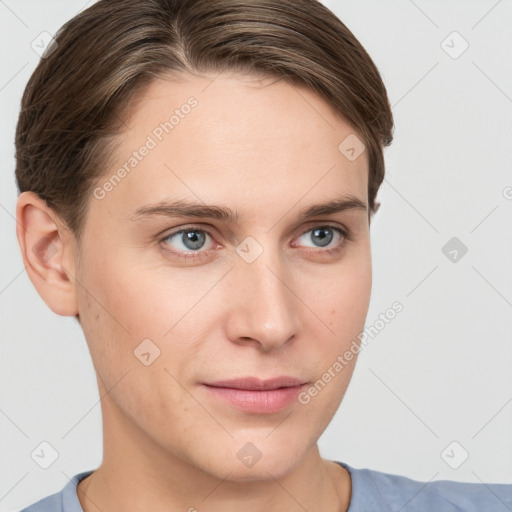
<point>254,383</point>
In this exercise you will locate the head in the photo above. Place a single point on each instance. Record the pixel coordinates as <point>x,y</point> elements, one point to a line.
<point>166,155</point>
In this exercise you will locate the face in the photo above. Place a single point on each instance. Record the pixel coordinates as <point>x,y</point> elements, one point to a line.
<point>171,300</point>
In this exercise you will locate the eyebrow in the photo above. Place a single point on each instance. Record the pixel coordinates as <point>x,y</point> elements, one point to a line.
<point>184,208</point>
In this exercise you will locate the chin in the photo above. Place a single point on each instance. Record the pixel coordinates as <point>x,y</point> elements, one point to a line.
<point>248,464</point>
<point>261,471</point>
<point>273,464</point>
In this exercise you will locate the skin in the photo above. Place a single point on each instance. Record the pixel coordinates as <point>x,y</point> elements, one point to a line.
<point>266,149</point>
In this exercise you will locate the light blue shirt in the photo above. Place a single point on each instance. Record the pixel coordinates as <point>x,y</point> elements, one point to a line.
<point>371,491</point>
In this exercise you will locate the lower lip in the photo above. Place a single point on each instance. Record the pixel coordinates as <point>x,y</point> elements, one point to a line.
<point>260,402</point>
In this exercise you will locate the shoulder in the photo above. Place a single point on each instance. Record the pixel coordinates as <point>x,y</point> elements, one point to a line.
<point>390,492</point>
<point>51,503</point>
<point>66,500</point>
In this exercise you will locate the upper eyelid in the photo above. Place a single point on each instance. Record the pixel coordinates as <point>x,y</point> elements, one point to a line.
<point>318,224</point>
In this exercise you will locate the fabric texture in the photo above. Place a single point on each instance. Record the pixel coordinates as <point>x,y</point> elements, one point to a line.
<point>371,491</point>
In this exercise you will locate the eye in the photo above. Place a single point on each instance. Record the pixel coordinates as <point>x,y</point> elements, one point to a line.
<point>322,236</point>
<point>187,242</point>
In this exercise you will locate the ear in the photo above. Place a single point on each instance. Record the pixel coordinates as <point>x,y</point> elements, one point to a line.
<point>48,249</point>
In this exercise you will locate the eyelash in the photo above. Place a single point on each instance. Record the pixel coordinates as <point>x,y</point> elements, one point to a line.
<point>198,254</point>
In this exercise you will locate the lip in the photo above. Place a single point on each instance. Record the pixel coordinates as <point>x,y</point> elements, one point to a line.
<point>254,383</point>
<point>251,394</point>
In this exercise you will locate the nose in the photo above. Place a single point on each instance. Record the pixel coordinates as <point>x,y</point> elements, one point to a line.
<point>262,306</point>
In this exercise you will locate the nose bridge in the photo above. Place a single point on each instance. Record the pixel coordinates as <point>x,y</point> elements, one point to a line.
<point>265,305</point>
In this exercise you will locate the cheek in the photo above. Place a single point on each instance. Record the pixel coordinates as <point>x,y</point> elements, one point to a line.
<point>128,311</point>
<point>342,307</point>
<point>350,309</point>
<point>341,296</point>
<point>124,319</point>
<point>155,301</point>
<point>115,307</point>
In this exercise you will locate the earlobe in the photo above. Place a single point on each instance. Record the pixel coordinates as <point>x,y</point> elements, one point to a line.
<point>47,249</point>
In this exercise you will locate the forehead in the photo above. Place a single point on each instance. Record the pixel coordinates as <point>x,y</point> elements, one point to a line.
<point>237,139</point>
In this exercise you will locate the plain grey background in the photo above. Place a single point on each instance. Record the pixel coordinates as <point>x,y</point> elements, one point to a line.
<point>434,386</point>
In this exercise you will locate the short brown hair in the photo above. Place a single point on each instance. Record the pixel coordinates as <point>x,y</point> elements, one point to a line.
<point>73,102</point>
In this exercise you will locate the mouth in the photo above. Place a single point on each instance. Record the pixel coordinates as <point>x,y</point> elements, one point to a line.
<point>250,394</point>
